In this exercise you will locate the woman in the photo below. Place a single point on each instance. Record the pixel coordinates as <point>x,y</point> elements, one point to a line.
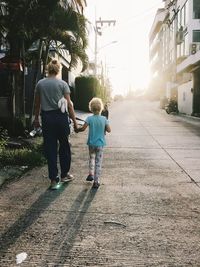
<point>55,123</point>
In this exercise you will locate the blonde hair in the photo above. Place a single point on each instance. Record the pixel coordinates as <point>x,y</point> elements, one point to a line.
<point>96,105</point>
<point>53,67</point>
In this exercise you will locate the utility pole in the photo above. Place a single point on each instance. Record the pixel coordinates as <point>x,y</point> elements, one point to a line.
<point>98,31</point>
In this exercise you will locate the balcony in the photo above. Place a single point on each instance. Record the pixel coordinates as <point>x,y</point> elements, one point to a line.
<point>181,59</point>
<point>189,63</point>
<point>158,21</point>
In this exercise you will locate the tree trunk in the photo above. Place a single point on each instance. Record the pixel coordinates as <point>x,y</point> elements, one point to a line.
<point>45,60</point>
<point>17,88</point>
<point>35,79</point>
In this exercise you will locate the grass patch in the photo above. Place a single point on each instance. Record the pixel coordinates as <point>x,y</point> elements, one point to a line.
<point>14,162</point>
<point>30,157</point>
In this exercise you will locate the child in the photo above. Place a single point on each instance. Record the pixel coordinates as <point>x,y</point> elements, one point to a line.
<point>96,139</point>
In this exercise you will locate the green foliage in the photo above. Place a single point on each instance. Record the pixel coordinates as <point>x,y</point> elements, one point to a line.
<point>69,28</point>
<point>28,21</point>
<point>23,157</point>
<point>3,138</point>
<point>30,157</point>
<point>85,89</point>
<point>13,127</point>
<point>28,28</point>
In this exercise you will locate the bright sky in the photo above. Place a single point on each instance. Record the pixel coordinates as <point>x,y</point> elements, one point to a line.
<point>127,60</point>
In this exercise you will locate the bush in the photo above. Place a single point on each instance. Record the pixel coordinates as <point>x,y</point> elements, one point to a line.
<point>13,126</point>
<point>3,138</point>
<point>29,157</point>
<point>87,87</point>
<point>25,157</point>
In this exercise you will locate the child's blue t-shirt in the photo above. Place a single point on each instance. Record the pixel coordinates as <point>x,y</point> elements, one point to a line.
<point>96,135</point>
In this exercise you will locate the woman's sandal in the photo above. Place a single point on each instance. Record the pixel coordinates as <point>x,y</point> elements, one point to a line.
<point>55,185</point>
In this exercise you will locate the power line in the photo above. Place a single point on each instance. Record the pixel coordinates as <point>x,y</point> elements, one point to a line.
<point>138,17</point>
<point>141,14</point>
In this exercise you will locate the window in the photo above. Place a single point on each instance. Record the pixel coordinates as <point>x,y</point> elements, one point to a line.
<point>196,36</point>
<point>196,9</point>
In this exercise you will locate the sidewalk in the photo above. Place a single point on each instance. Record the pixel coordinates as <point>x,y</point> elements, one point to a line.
<point>145,213</point>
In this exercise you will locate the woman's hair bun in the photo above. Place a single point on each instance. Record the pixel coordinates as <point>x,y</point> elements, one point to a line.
<point>53,67</point>
<point>54,61</point>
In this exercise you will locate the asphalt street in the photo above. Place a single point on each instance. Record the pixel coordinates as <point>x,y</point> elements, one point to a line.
<point>146,211</point>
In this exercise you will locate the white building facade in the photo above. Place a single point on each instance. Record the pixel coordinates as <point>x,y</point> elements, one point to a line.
<point>156,50</point>
<point>180,49</point>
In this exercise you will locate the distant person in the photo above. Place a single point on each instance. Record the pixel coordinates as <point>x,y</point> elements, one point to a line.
<point>96,139</point>
<point>55,122</point>
<point>105,111</point>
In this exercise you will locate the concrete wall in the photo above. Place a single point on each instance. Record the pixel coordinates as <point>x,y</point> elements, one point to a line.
<point>185,98</point>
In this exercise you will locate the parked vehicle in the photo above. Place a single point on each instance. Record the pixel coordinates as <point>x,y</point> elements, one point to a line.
<point>172,106</point>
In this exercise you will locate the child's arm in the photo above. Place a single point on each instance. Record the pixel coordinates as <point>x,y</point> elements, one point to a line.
<point>82,128</point>
<point>108,129</point>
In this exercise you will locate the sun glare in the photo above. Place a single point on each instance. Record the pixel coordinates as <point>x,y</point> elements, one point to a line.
<point>126,60</point>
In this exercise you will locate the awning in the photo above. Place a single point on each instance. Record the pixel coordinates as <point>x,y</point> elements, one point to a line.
<point>7,63</point>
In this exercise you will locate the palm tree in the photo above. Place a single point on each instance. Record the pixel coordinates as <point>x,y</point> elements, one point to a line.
<point>66,31</point>
<point>77,5</point>
<point>27,21</point>
<point>46,21</point>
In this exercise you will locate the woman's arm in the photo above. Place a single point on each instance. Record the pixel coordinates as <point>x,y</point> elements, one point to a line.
<point>71,110</point>
<point>37,111</point>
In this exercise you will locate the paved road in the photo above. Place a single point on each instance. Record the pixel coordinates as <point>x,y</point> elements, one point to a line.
<point>145,213</point>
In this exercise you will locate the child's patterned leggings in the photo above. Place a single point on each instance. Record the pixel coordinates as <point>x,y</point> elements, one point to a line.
<point>95,161</point>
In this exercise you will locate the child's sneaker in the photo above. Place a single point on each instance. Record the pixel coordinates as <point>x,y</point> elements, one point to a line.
<point>96,185</point>
<point>90,178</point>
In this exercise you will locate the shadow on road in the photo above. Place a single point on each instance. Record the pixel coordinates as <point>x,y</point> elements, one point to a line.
<point>65,239</point>
<point>28,218</point>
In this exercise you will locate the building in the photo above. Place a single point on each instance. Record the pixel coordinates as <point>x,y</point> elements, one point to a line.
<point>156,53</point>
<point>188,56</point>
<point>179,50</point>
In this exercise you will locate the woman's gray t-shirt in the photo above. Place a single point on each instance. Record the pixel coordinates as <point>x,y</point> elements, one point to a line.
<point>51,90</point>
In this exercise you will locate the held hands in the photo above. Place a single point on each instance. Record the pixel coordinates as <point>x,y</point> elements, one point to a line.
<point>77,130</point>
<point>81,129</point>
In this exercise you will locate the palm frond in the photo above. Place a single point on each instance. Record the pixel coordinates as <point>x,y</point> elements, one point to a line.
<point>77,52</point>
